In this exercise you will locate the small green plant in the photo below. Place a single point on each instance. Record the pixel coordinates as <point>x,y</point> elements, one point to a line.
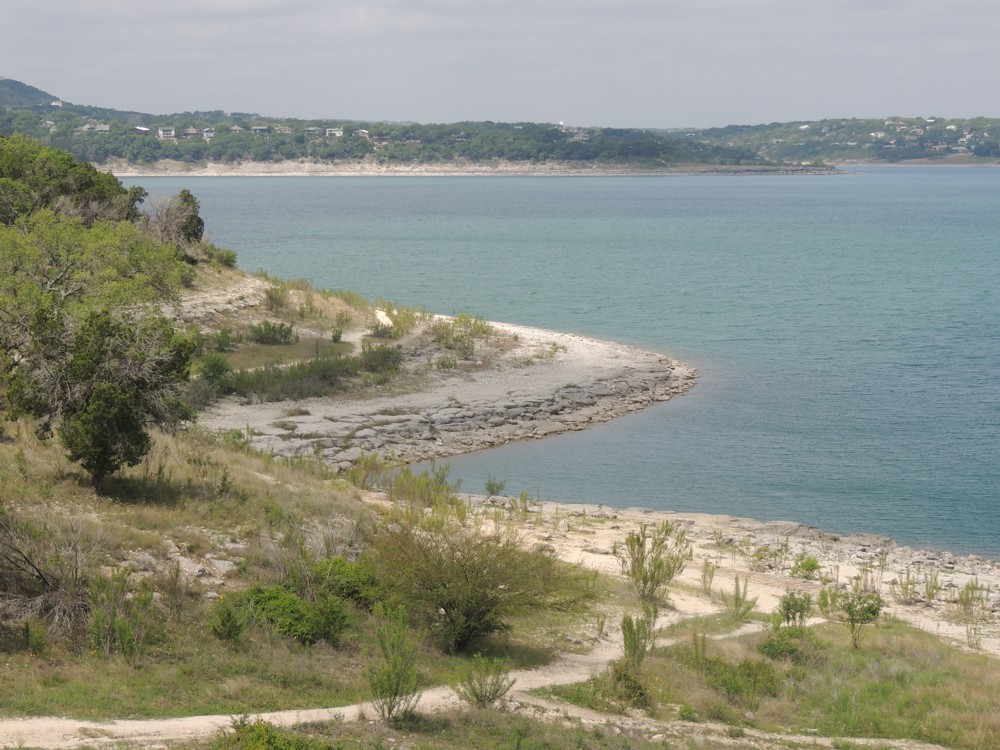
<point>739,604</point>
<point>707,575</point>
<point>392,673</point>
<point>932,586</point>
<point>276,297</point>
<point>904,588</point>
<point>485,682</point>
<point>652,557</point>
<point>829,602</point>
<point>494,486</point>
<point>860,608</point>
<point>805,566</point>
<point>227,622</point>
<point>794,608</point>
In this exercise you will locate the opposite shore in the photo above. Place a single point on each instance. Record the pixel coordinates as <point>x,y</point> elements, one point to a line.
<point>367,168</point>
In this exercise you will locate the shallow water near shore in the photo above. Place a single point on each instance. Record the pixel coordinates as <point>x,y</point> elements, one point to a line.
<point>845,326</point>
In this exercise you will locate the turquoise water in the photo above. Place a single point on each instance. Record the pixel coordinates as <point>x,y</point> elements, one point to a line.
<point>845,326</point>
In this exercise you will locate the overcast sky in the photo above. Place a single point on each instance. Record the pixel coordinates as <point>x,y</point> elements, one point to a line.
<point>643,63</point>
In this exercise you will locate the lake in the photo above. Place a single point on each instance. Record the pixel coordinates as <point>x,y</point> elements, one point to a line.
<point>845,327</point>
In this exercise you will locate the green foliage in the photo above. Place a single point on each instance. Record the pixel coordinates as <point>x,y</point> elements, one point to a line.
<point>123,621</point>
<point>227,621</point>
<point>794,608</point>
<point>102,383</point>
<point>744,682</point>
<point>54,178</point>
<point>739,604</point>
<point>829,602</point>
<point>260,735</point>
<point>653,557</point>
<point>795,643</point>
<point>307,621</point>
<point>392,674</point>
<point>270,333</point>
<point>805,566</point>
<point>860,608</point>
<point>354,581</point>
<point>464,583</point>
<point>383,359</point>
<point>461,333</point>
<point>216,371</point>
<point>318,376</point>
<point>485,681</point>
<point>494,486</point>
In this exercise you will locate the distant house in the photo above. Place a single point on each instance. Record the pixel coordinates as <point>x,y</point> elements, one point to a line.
<point>334,132</point>
<point>208,134</point>
<point>237,129</point>
<point>260,129</point>
<point>190,133</point>
<point>166,133</point>
<point>139,130</point>
<point>313,130</point>
<point>102,127</point>
<point>284,130</point>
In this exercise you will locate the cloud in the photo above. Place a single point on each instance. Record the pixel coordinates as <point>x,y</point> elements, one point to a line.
<point>632,62</point>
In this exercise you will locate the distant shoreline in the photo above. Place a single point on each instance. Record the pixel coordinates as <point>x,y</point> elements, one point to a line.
<point>170,168</point>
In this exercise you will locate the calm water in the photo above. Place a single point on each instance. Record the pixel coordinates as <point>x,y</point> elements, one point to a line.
<point>845,327</point>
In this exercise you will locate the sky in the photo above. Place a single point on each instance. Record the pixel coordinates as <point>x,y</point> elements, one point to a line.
<point>626,63</point>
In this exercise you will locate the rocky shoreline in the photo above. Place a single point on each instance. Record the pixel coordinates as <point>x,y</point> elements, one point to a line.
<point>540,384</point>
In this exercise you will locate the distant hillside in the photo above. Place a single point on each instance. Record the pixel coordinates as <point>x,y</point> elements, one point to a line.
<point>98,135</point>
<point>17,95</point>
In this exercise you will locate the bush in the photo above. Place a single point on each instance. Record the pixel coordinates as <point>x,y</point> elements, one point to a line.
<point>485,681</point>
<point>123,621</point>
<point>805,566</point>
<point>227,622</point>
<point>860,608</point>
<point>272,333</point>
<point>652,558</point>
<point>392,675</point>
<point>354,581</point>
<point>794,643</point>
<point>464,583</point>
<point>794,608</point>
<point>380,358</point>
<point>260,735</point>
<point>215,371</point>
<point>324,618</point>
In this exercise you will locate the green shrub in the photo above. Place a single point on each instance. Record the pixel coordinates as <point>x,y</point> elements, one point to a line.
<point>653,557</point>
<point>484,682</point>
<point>860,608</point>
<point>215,371</point>
<point>743,683</point>
<point>304,620</point>
<point>260,735</point>
<point>380,358</point>
<point>805,566</point>
<point>794,608</point>
<point>272,333</point>
<point>353,581</point>
<point>276,297</point>
<point>739,605</point>
<point>121,620</point>
<point>795,643</point>
<point>227,621</point>
<point>392,674</point>
<point>464,583</point>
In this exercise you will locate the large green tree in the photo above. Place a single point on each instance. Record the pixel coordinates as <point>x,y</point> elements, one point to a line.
<point>82,349</point>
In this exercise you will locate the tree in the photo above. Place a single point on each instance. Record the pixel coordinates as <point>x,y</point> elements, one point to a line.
<point>78,351</point>
<point>101,383</point>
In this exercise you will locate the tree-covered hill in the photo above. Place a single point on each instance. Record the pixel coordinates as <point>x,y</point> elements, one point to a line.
<point>98,135</point>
